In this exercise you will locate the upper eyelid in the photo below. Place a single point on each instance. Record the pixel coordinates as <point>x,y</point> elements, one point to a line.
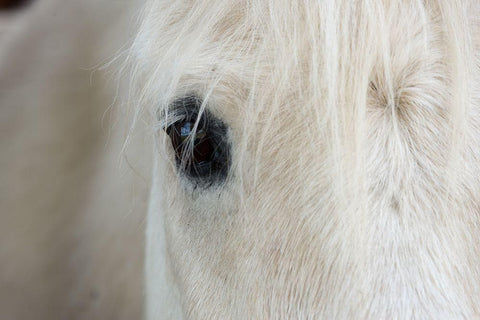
<point>173,113</point>
<point>178,110</point>
<point>168,119</point>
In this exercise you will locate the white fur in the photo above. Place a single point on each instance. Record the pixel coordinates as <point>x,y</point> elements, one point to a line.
<point>354,187</point>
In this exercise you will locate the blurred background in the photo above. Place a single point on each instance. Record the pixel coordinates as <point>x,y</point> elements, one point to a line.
<point>72,199</point>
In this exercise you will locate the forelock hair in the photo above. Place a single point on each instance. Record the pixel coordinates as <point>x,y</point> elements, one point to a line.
<point>320,60</point>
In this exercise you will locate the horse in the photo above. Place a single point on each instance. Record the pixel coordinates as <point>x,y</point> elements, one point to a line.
<point>305,160</point>
<point>315,160</point>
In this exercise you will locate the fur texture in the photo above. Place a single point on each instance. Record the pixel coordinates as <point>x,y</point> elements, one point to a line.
<point>354,186</point>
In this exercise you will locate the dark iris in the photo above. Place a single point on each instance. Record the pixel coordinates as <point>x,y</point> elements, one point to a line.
<point>201,154</point>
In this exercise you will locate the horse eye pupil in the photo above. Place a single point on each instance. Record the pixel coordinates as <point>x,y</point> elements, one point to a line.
<point>203,151</point>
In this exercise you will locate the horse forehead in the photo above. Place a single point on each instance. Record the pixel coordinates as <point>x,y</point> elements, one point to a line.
<point>238,46</point>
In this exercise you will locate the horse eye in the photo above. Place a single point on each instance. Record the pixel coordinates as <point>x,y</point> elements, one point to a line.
<point>201,154</point>
<point>199,162</point>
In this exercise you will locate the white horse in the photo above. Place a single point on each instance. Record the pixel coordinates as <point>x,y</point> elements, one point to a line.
<point>312,160</point>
